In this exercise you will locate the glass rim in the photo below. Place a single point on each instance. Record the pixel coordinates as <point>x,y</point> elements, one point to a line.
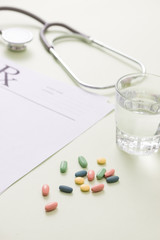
<point>131,75</point>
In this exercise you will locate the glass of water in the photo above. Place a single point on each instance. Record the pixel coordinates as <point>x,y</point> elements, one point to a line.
<point>138,113</point>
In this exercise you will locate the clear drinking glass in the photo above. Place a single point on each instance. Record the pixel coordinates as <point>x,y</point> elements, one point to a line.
<point>138,113</point>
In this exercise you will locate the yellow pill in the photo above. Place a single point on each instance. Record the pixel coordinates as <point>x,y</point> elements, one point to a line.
<point>79,180</point>
<point>85,188</point>
<point>101,161</point>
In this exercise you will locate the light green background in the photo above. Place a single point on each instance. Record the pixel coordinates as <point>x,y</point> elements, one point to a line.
<point>125,210</point>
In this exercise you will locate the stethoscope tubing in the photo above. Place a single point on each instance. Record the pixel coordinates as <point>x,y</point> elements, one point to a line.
<point>14,9</point>
<point>50,48</point>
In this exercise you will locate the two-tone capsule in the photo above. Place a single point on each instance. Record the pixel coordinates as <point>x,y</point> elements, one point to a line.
<point>51,206</point>
<point>65,189</point>
<point>63,166</point>
<point>82,161</point>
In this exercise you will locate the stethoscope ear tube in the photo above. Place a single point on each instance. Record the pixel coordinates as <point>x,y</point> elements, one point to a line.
<point>46,26</point>
<point>75,33</point>
<point>14,9</point>
<point>89,40</point>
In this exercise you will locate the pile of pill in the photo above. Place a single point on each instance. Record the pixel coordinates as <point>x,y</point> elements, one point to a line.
<point>79,179</point>
<point>102,173</point>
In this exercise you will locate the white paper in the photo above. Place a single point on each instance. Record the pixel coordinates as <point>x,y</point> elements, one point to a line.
<point>39,116</point>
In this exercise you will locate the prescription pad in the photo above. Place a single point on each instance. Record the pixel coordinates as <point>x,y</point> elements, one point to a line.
<point>39,116</point>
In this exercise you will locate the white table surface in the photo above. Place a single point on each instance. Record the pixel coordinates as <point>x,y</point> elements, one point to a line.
<point>129,209</point>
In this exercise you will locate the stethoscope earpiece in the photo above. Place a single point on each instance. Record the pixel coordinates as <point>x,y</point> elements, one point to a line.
<point>17,38</point>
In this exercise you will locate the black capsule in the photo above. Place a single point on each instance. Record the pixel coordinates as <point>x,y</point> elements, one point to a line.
<point>81,173</point>
<point>112,179</point>
<point>65,189</point>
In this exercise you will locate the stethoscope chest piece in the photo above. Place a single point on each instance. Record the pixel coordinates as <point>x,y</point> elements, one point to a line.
<point>16,38</point>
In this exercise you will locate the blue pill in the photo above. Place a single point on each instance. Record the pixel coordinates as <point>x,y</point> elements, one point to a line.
<point>112,179</point>
<point>65,189</point>
<point>81,173</point>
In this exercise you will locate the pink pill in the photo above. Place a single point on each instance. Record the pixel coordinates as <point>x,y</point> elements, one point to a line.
<point>97,188</point>
<point>51,206</point>
<point>109,173</point>
<point>90,175</point>
<point>45,190</point>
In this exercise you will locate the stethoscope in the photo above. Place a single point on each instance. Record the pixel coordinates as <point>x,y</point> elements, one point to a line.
<point>17,38</point>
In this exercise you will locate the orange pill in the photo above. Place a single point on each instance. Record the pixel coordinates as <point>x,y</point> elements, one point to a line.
<point>101,161</point>
<point>51,206</point>
<point>79,180</point>
<point>45,190</point>
<point>97,188</point>
<point>109,173</point>
<point>85,188</point>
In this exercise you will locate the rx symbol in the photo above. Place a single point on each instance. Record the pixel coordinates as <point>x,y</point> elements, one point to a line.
<point>7,73</point>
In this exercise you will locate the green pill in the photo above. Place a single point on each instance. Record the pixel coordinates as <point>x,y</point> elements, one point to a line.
<point>82,161</point>
<point>63,166</point>
<point>101,173</point>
